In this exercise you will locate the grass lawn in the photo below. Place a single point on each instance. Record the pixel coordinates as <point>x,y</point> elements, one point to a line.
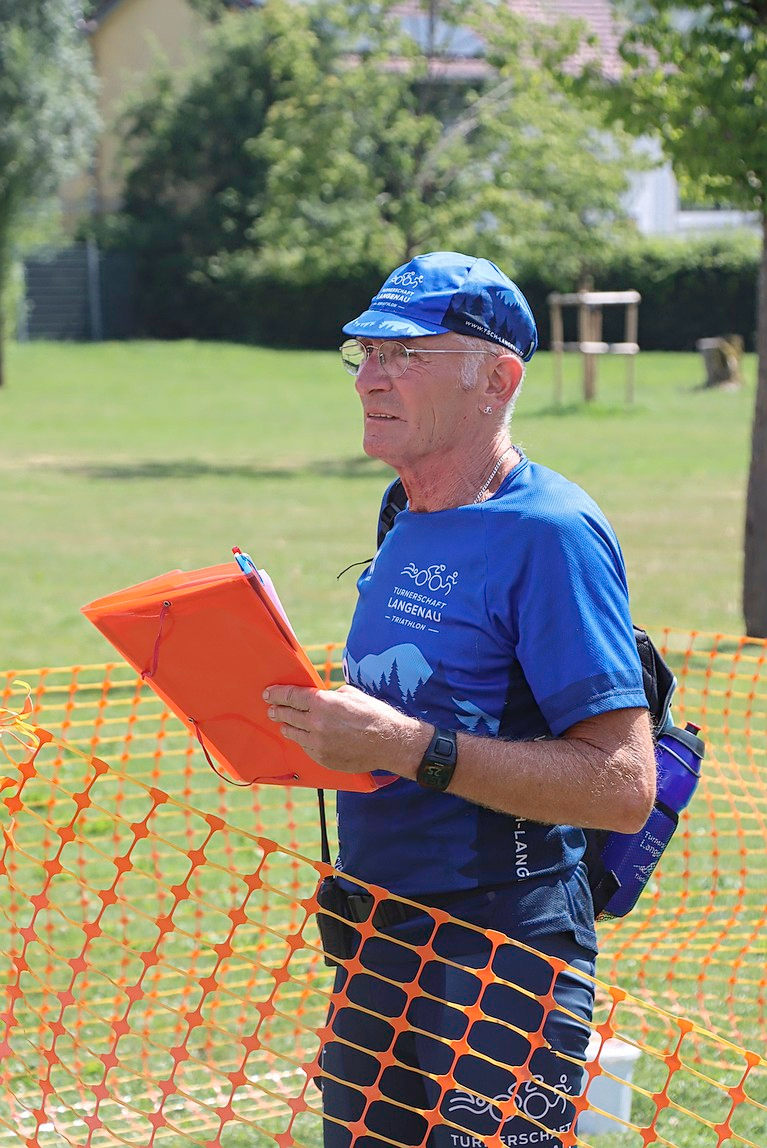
<point>121,461</point>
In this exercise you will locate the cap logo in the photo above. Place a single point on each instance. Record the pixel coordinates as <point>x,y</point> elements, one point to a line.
<point>407,279</point>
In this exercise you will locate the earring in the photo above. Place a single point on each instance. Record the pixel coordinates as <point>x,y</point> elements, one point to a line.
<point>488,410</point>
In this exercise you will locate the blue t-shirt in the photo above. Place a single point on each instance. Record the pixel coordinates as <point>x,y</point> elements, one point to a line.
<point>507,619</point>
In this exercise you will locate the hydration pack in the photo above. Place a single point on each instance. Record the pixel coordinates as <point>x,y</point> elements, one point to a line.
<point>659,685</point>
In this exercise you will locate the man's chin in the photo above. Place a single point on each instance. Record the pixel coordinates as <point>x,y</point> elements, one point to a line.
<point>375,447</point>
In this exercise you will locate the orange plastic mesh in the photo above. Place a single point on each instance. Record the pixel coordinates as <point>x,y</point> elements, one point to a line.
<point>163,980</point>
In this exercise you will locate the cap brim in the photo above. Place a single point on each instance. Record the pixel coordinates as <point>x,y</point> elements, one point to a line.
<point>385,325</point>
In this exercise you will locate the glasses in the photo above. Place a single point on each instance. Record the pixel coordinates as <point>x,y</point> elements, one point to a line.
<point>393,357</point>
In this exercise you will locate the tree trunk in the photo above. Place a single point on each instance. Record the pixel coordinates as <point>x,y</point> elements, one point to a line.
<point>755,548</point>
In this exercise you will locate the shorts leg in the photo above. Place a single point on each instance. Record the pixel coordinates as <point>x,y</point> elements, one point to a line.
<point>369,1064</point>
<point>388,1036</point>
<point>497,1053</point>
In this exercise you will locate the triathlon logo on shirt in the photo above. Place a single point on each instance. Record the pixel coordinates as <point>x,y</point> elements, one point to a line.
<point>421,609</point>
<point>521,851</point>
<point>433,577</point>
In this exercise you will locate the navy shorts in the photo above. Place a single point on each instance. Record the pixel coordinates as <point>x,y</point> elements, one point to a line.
<point>407,1021</point>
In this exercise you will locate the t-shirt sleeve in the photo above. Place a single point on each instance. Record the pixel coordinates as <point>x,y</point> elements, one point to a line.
<point>575,639</point>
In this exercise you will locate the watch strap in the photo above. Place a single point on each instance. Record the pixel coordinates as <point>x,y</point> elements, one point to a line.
<point>439,762</point>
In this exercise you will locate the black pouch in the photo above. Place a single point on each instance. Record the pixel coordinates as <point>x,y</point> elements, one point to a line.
<point>340,940</point>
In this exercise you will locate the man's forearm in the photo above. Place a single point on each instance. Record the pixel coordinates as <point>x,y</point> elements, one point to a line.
<point>599,774</point>
<point>567,780</point>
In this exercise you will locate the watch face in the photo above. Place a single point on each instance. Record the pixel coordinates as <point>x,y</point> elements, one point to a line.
<point>436,775</point>
<point>438,763</point>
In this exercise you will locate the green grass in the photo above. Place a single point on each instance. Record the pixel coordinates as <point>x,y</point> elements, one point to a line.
<point>121,461</point>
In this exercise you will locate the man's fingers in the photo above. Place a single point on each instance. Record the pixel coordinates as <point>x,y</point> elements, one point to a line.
<point>293,733</point>
<point>299,698</point>
<point>290,716</point>
<point>295,697</point>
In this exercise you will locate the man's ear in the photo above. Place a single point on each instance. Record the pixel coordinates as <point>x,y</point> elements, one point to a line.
<point>501,383</point>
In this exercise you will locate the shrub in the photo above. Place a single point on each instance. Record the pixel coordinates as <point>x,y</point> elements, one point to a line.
<point>692,287</point>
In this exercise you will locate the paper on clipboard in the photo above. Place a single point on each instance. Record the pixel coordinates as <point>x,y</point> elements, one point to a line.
<point>209,642</point>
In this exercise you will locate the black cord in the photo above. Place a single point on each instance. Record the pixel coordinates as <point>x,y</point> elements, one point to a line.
<point>323,827</point>
<point>364,562</point>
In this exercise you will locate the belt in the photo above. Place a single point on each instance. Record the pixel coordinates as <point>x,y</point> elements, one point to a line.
<point>387,913</point>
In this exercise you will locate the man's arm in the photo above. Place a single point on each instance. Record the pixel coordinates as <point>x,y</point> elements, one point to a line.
<point>599,774</point>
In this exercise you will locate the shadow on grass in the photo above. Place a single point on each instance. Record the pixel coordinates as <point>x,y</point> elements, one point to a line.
<point>358,467</point>
<point>594,410</point>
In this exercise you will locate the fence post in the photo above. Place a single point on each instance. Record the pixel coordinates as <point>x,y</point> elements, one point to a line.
<point>22,316</point>
<point>93,258</point>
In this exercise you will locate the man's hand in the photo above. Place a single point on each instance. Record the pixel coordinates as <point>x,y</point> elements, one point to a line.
<point>599,774</point>
<point>347,730</point>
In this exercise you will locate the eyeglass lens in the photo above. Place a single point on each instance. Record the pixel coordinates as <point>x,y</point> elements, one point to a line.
<point>393,357</point>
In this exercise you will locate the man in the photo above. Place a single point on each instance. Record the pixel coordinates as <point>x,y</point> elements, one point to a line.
<point>491,669</point>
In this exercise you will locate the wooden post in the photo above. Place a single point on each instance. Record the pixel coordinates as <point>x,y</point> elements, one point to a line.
<point>596,335</point>
<point>586,334</point>
<point>557,340</point>
<point>590,335</point>
<point>632,332</point>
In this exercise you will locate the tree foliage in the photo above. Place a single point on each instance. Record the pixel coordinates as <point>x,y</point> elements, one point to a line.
<point>697,77</point>
<point>47,110</point>
<point>328,141</point>
<point>391,157</point>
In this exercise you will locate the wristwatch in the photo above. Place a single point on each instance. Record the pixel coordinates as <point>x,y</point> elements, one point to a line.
<point>439,762</point>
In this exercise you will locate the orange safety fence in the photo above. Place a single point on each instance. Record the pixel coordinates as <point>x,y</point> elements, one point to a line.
<point>163,978</point>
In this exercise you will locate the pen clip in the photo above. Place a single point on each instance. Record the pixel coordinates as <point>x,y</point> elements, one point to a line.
<point>245,563</point>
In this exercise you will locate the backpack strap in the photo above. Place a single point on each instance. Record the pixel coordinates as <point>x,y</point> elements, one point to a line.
<point>658,681</point>
<point>394,500</point>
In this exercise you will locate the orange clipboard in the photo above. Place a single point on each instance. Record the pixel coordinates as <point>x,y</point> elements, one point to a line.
<point>209,642</point>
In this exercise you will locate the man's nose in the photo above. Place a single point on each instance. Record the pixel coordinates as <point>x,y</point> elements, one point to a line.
<point>371,376</point>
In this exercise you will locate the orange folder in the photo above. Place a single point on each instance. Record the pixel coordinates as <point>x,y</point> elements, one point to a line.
<point>208,642</point>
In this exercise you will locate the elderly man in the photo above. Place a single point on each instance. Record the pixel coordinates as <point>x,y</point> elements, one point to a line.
<point>492,672</point>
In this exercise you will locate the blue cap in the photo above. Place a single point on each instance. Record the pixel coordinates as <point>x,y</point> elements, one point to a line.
<point>446,291</point>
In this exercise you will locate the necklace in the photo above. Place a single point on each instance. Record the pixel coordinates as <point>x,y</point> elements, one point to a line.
<point>483,488</point>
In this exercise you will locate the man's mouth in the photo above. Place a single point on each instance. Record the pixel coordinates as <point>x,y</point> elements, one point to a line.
<point>373,415</point>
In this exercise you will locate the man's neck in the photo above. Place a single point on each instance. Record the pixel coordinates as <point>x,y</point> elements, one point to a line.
<point>431,487</point>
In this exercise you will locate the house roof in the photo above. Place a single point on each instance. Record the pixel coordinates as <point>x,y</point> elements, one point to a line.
<point>597,15</point>
<point>460,44</point>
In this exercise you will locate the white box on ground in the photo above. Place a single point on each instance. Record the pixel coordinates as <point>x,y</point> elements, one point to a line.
<point>612,1096</point>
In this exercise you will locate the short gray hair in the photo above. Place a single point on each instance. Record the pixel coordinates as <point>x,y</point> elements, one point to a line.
<point>468,372</point>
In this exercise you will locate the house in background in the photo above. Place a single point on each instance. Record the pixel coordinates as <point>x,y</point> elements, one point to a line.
<point>78,293</point>
<point>128,36</point>
<point>653,200</point>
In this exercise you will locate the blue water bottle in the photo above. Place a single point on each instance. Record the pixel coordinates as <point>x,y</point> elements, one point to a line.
<point>632,857</point>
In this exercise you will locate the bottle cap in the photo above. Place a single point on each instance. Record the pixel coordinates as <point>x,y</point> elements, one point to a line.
<point>688,738</point>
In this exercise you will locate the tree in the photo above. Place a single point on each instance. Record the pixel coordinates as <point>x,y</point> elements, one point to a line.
<point>211,10</point>
<point>47,111</point>
<point>196,174</point>
<point>214,10</point>
<point>697,77</point>
<point>408,149</point>
<point>320,143</point>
